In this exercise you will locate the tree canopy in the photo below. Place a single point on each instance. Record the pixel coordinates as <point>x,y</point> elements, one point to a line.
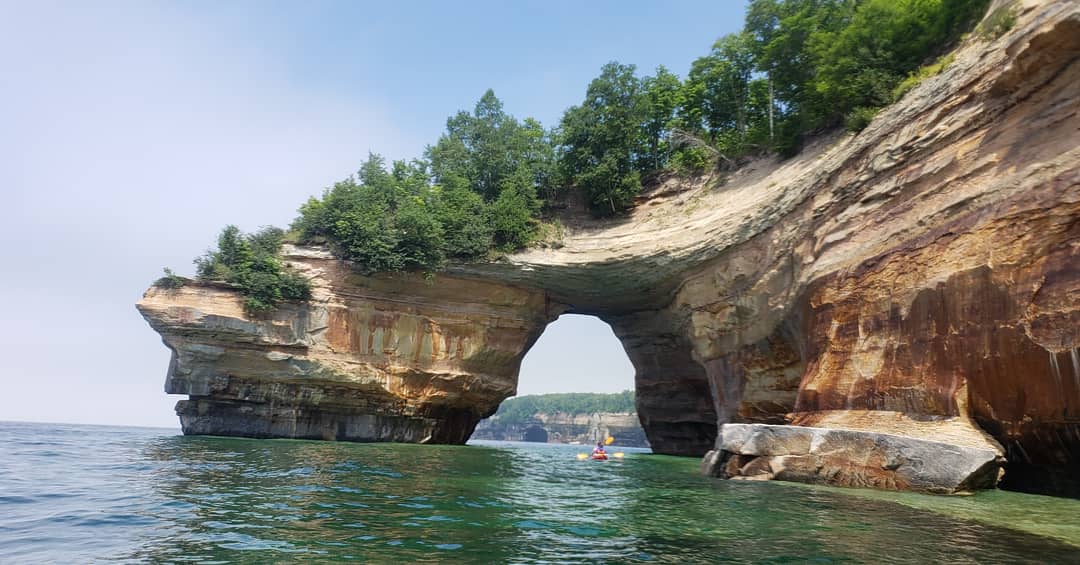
<point>797,67</point>
<point>250,262</point>
<point>477,189</point>
<point>523,409</point>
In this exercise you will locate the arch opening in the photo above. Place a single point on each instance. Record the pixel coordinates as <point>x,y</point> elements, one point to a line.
<point>575,386</point>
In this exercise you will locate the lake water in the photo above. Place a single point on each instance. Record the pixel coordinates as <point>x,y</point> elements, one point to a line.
<point>79,494</point>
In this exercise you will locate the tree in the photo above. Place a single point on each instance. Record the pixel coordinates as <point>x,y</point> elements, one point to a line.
<point>717,97</point>
<point>524,408</point>
<point>420,236</point>
<point>797,67</point>
<point>467,228</point>
<point>512,214</point>
<point>724,77</point>
<point>477,189</point>
<point>250,262</point>
<point>488,146</point>
<point>662,94</point>
<point>779,35</point>
<point>859,65</point>
<point>602,148</point>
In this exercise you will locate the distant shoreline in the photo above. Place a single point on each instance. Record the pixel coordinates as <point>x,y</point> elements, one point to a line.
<point>176,429</point>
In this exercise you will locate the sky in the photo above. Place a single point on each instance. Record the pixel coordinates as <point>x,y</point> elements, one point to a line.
<point>131,132</point>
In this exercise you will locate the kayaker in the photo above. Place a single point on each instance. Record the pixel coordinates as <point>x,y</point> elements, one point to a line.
<point>599,449</point>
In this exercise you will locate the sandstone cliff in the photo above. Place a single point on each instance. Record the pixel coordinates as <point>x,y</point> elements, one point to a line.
<point>394,358</point>
<point>917,281</point>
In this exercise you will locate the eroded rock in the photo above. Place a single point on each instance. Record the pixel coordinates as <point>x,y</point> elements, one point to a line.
<point>916,285</point>
<point>397,358</point>
<point>851,458</point>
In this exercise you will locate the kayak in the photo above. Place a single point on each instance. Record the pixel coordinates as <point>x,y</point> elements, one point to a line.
<point>600,456</point>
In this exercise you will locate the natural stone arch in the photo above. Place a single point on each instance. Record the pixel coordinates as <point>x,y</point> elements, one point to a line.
<point>777,294</point>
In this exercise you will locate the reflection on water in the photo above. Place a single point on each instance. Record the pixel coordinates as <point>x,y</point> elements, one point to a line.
<point>80,493</point>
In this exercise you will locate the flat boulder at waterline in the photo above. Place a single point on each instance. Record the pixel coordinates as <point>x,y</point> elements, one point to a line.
<point>851,458</point>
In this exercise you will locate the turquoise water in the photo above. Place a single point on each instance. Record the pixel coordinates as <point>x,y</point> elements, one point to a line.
<point>78,494</point>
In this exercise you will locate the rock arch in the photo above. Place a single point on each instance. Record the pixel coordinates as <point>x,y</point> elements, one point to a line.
<point>535,433</point>
<point>918,280</point>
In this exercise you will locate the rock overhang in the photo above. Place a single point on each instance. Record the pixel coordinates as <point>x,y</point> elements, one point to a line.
<point>925,269</point>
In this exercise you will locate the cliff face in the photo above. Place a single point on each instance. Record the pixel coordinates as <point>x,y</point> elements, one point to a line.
<point>567,428</point>
<point>369,358</point>
<point>917,281</point>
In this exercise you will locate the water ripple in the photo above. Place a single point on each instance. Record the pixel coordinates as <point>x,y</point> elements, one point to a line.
<point>80,494</point>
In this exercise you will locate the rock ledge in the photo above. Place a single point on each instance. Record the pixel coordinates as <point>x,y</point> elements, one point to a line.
<point>850,458</point>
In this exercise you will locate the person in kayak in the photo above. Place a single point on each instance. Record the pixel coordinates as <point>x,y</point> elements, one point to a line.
<point>599,450</point>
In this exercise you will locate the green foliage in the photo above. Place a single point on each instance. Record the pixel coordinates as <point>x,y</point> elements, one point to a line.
<point>488,147</point>
<point>834,60</point>
<point>618,133</point>
<point>171,280</point>
<point>859,118</point>
<point>523,408</point>
<point>717,94</point>
<point>861,64</point>
<point>690,160</point>
<point>1000,21</point>
<point>781,32</point>
<point>463,214</point>
<point>796,67</point>
<point>382,221</point>
<point>661,96</point>
<point>476,190</point>
<point>922,73</point>
<point>250,262</point>
<point>512,215</point>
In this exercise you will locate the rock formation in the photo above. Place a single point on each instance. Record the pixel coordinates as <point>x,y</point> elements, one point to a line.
<point>392,358</point>
<point>916,285</point>
<point>854,458</point>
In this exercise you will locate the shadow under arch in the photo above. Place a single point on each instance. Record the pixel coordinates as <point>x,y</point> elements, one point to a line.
<point>643,351</point>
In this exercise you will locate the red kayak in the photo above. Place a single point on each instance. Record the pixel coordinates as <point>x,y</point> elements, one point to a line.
<point>599,456</point>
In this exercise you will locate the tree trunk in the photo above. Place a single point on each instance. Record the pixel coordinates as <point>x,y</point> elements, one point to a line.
<point>770,111</point>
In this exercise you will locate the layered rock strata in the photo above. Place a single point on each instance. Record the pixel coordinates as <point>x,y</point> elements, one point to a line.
<point>851,458</point>
<point>920,279</point>
<point>395,358</point>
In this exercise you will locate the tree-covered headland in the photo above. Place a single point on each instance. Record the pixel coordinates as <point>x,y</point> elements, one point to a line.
<point>522,409</point>
<point>797,68</point>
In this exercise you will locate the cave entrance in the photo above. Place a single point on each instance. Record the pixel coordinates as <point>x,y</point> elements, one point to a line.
<point>580,358</point>
<point>535,434</point>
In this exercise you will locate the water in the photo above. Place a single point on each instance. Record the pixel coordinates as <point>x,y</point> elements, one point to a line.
<point>80,494</point>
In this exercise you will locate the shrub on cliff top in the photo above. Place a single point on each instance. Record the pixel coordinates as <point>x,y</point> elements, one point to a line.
<point>250,262</point>
<point>170,280</point>
<point>417,214</point>
<point>381,221</point>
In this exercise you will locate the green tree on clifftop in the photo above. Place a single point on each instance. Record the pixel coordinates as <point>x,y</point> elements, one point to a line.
<point>797,68</point>
<point>251,263</point>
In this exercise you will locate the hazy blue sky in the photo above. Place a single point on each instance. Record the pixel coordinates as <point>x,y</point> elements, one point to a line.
<point>131,132</point>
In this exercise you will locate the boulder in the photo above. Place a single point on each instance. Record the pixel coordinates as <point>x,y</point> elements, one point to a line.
<point>851,458</point>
